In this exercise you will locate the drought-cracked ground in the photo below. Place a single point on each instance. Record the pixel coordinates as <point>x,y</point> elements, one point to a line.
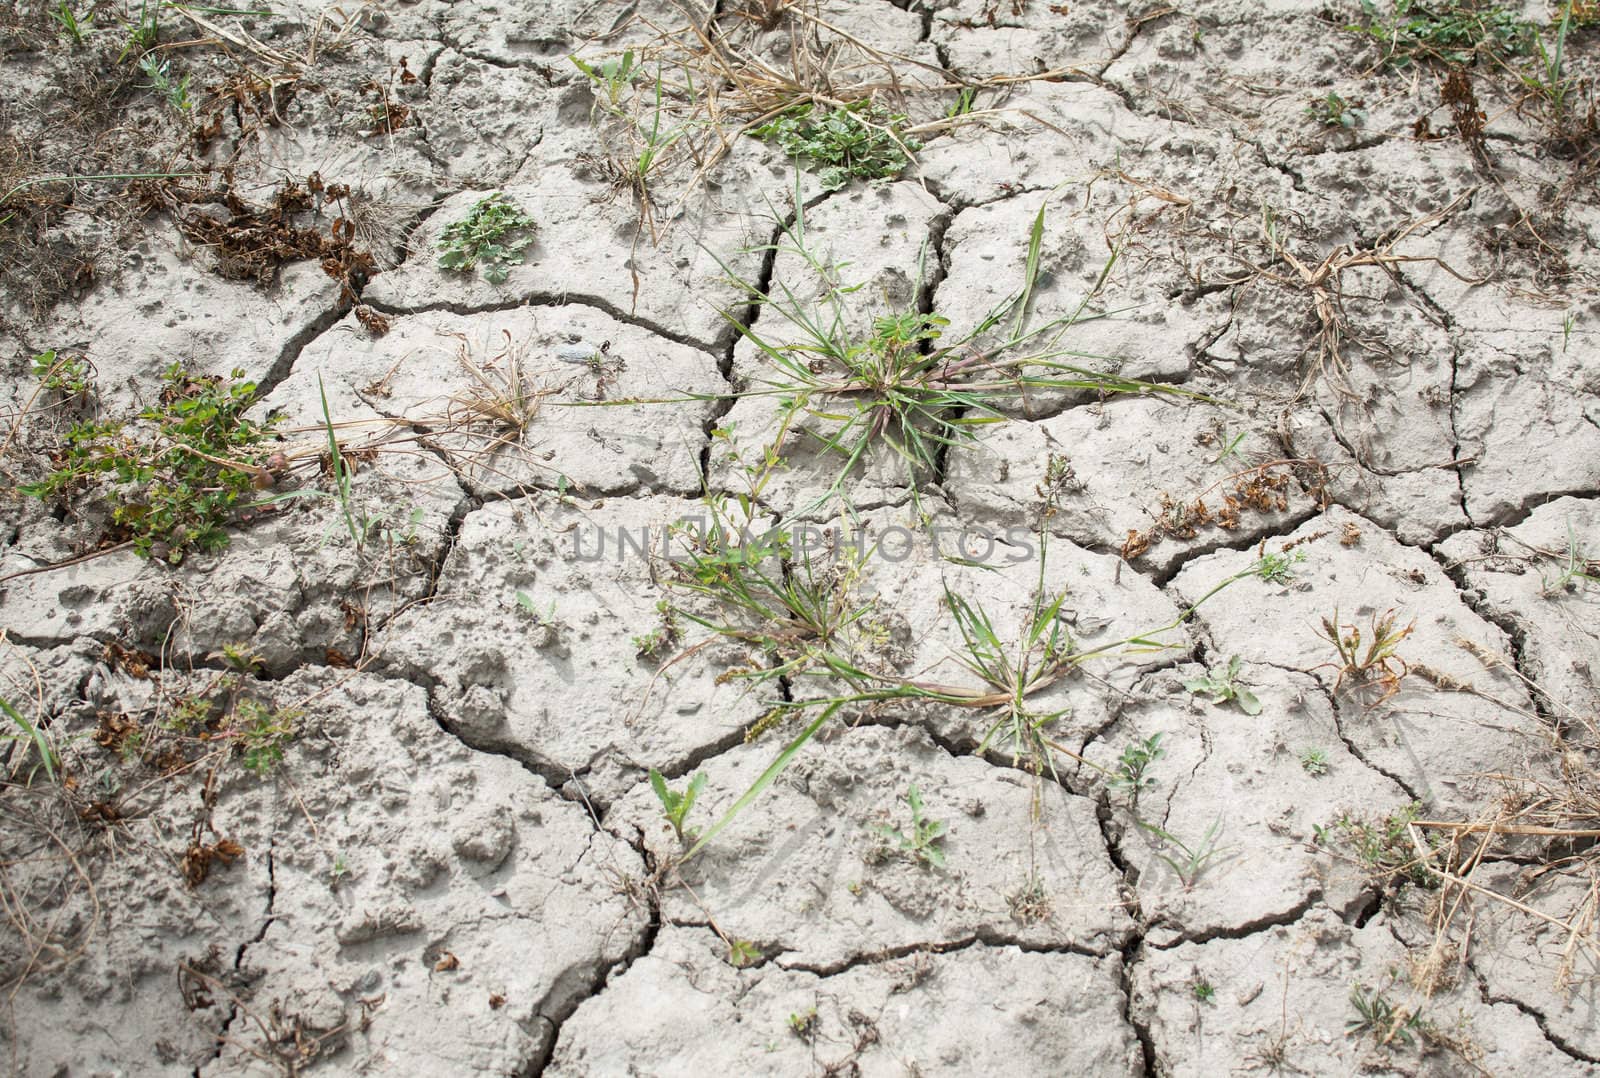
<point>1281,755</point>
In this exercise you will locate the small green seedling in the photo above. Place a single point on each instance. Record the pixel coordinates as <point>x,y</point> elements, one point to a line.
<point>1574,568</point>
<point>1279,568</point>
<point>493,234</point>
<point>31,733</point>
<point>75,26</point>
<point>1222,685</point>
<point>743,954</point>
<point>1204,990</point>
<point>609,78</point>
<point>655,643</point>
<point>675,806</point>
<point>162,80</point>
<point>543,617</point>
<point>920,843</point>
<point>1315,762</point>
<point>1377,1016</point>
<point>1132,766</point>
<point>1187,862</point>
<point>66,375</point>
<point>1335,111</point>
<point>804,1025</point>
<point>261,733</point>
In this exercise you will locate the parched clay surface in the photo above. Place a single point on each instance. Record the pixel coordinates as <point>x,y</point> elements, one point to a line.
<point>375,788</point>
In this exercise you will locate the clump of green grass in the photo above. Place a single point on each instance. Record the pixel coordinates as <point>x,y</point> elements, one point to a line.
<point>492,235</point>
<point>921,842</point>
<point>808,634</point>
<point>909,383</point>
<point>178,474</point>
<point>859,141</point>
<point>31,735</point>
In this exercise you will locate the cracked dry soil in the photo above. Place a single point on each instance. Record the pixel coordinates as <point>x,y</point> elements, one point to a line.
<point>1359,326</point>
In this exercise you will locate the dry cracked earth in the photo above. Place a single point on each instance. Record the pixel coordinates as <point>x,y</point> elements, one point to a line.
<point>1282,756</point>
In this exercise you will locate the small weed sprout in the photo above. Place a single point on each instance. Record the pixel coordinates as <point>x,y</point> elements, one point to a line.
<point>1377,664</point>
<point>261,733</point>
<point>33,736</point>
<point>1377,1016</point>
<point>675,806</point>
<point>743,954</point>
<point>1314,762</point>
<point>74,25</point>
<point>919,843</point>
<point>610,79</point>
<point>175,90</point>
<point>493,235</point>
<point>1279,568</point>
<point>1447,31</point>
<point>804,1024</point>
<point>1222,685</point>
<point>1187,862</point>
<point>1204,991</point>
<point>1573,569</point>
<point>1131,775</point>
<point>856,142</point>
<point>1335,111</point>
<point>657,642</point>
<point>70,376</point>
<point>1384,848</point>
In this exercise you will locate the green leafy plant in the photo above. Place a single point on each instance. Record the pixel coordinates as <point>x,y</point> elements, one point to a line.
<point>1549,78</point>
<point>1132,771</point>
<point>493,235</point>
<point>742,954</point>
<point>1334,111</point>
<point>1449,31</point>
<point>1187,862</point>
<point>853,142</point>
<point>67,375</point>
<point>1383,846</point>
<point>1204,991</point>
<point>1007,674</point>
<point>1221,683</point>
<point>920,842</point>
<point>177,479</point>
<point>674,805</point>
<point>1314,762</point>
<point>261,733</point>
<point>144,33</point>
<point>1278,568</point>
